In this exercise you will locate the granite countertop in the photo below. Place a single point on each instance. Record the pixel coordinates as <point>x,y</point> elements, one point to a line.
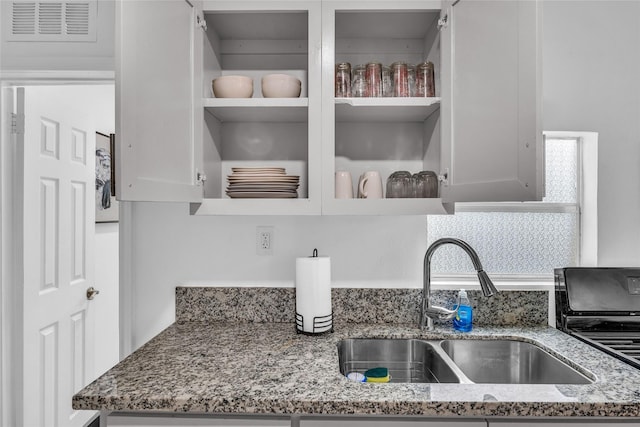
<point>266,368</point>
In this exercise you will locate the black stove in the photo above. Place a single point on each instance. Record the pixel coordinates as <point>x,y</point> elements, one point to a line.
<point>601,306</point>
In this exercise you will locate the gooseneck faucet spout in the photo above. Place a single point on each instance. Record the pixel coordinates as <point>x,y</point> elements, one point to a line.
<point>429,312</point>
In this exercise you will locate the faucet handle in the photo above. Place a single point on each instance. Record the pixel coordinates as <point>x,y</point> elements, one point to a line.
<point>440,313</point>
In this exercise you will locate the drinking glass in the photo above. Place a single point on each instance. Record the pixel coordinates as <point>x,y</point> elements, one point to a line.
<point>359,83</point>
<point>425,84</point>
<point>400,74</point>
<point>387,82</point>
<point>425,184</point>
<point>399,185</point>
<point>411,70</point>
<point>343,80</point>
<point>373,74</point>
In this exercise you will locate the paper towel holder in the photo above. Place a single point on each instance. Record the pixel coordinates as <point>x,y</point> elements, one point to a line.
<point>320,323</point>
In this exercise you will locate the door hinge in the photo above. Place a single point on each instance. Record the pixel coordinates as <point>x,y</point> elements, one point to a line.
<point>442,22</point>
<point>201,22</point>
<point>200,178</point>
<point>17,124</point>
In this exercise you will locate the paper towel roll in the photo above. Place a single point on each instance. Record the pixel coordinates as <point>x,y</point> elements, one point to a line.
<point>313,291</point>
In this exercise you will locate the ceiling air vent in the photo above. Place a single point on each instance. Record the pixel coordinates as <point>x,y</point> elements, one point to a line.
<point>76,18</point>
<point>23,19</point>
<point>56,21</point>
<point>50,18</point>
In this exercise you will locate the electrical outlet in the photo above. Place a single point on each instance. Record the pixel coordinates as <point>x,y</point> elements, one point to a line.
<point>264,240</point>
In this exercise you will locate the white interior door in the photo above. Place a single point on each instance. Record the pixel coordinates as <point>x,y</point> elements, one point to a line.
<point>58,211</point>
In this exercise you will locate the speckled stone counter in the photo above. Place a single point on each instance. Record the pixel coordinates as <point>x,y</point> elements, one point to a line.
<point>266,368</point>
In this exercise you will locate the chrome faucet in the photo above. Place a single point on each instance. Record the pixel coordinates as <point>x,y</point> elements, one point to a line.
<point>430,312</point>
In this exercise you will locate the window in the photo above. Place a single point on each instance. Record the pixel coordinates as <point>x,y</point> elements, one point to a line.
<point>528,240</point>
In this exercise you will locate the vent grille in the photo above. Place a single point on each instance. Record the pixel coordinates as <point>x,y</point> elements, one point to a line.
<point>47,20</point>
<point>50,18</point>
<point>24,19</point>
<point>77,18</point>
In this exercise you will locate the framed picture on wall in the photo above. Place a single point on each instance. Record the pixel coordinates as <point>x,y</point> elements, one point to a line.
<point>106,203</point>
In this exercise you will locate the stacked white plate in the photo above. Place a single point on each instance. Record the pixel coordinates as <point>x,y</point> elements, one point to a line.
<point>256,183</point>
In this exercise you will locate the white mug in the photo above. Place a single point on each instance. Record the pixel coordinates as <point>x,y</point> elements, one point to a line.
<point>344,185</point>
<point>370,186</point>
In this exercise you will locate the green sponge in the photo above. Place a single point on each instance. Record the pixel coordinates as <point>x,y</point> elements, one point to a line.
<point>377,372</point>
<point>377,375</point>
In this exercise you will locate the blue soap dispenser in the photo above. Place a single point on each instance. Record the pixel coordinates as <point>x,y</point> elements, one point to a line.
<point>464,317</point>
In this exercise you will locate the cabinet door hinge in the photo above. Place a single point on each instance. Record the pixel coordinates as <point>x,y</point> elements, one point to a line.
<point>201,22</point>
<point>442,22</point>
<point>444,177</point>
<point>17,124</point>
<point>200,178</point>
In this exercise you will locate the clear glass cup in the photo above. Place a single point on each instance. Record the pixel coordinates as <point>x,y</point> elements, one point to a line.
<point>425,184</point>
<point>411,71</point>
<point>343,80</point>
<point>359,83</point>
<point>400,76</point>
<point>425,80</point>
<point>399,185</point>
<point>387,82</point>
<point>373,74</point>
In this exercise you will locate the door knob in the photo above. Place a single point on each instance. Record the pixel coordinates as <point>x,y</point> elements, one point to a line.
<point>91,292</point>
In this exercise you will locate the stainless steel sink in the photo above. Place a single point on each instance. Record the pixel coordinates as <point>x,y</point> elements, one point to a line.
<point>408,360</point>
<point>457,361</point>
<point>509,362</point>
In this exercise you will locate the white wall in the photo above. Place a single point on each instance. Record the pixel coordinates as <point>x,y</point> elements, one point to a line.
<point>96,56</point>
<point>107,279</point>
<point>591,81</point>
<point>172,248</point>
<point>591,66</point>
<point>107,248</point>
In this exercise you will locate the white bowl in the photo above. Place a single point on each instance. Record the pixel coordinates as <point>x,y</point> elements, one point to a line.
<point>233,87</point>
<point>280,86</point>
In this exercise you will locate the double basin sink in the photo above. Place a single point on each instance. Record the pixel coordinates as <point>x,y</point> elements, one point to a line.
<point>470,361</point>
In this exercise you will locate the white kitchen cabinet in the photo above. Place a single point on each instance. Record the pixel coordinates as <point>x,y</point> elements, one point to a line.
<point>256,38</point>
<point>199,137</point>
<point>382,421</point>
<point>155,78</point>
<point>184,420</point>
<point>168,420</point>
<point>481,133</point>
<point>575,422</point>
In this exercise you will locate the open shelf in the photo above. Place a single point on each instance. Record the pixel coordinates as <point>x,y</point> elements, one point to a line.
<point>258,109</point>
<point>385,109</point>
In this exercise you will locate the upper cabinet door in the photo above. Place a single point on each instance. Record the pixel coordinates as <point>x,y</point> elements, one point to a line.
<point>491,86</point>
<point>155,77</point>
